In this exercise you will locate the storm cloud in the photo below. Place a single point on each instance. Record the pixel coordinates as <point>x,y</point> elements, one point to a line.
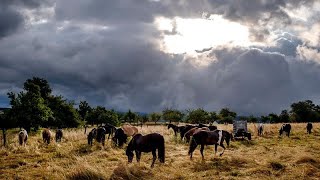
<point>109,53</point>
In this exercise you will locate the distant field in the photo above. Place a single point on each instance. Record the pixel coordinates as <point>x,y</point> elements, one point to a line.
<point>267,157</point>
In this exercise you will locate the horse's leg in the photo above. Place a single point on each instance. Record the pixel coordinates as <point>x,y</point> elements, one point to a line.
<point>215,149</point>
<point>223,149</point>
<point>138,155</point>
<point>154,157</point>
<point>201,151</point>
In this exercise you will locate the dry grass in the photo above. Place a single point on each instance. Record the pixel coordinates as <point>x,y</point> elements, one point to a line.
<point>267,157</point>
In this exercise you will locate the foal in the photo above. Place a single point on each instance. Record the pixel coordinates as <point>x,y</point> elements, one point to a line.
<point>23,137</point>
<point>148,143</point>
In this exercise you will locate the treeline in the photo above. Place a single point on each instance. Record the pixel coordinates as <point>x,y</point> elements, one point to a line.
<point>36,107</point>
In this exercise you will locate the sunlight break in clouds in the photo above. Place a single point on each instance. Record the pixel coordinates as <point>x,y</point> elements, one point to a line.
<point>199,34</point>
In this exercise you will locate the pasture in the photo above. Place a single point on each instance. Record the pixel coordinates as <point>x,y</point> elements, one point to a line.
<point>266,157</point>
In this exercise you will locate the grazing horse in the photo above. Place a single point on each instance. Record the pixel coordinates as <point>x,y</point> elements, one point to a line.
<point>109,129</point>
<point>309,127</point>
<point>147,143</point>
<point>119,137</point>
<point>286,128</point>
<point>174,128</point>
<point>46,135</point>
<point>23,137</point>
<point>59,135</point>
<point>129,130</point>
<point>260,129</point>
<point>209,138</point>
<point>192,131</point>
<point>92,135</point>
<point>101,135</point>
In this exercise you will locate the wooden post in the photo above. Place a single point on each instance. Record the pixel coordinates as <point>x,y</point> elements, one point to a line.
<point>4,136</point>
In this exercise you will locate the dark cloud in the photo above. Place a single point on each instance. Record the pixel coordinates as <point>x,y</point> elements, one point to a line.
<point>107,52</point>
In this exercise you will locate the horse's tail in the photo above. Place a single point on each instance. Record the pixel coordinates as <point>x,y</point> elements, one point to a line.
<point>193,143</point>
<point>161,151</point>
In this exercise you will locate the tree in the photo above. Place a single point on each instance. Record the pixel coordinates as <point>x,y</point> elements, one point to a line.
<point>284,116</point>
<point>226,115</point>
<point>64,114</point>
<point>84,109</point>
<point>29,108</point>
<point>109,117</point>
<point>130,117</point>
<point>305,111</point>
<point>197,116</point>
<point>274,118</point>
<point>213,116</point>
<point>172,115</point>
<point>155,117</point>
<point>43,84</point>
<point>6,123</point>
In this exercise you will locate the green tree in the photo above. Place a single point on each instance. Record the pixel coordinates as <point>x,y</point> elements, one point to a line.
<point>155,117</point>
<point>274,118</point>
<point>304,111</point>
<point>84,109</point>
<point>109,117</point>
<point>130,117</point>
<point>213,116</point>
<point>226,115</point>
<point>172,115</point>
<point>284,116</point>
<point>29,108</point>
<point>64,114</point>
<point>197,116</point>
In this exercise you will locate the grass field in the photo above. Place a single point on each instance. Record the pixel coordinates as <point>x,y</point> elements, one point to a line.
<point>267,157</point>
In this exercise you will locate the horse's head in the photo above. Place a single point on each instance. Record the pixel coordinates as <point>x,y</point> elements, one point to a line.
<point>129,151</point>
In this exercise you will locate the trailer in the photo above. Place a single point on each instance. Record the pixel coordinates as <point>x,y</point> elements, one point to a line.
<point>240,130</point>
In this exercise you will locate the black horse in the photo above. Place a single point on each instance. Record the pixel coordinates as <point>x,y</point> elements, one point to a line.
<point>109,129</point>
<point>309,127</point>
<point>147,143</point>
<point>285,128</point>
<point>119,137</point>
<point>59,135</point>
<point>92,135</point>
<point>101,135</point>
<point>260,129</point>
<point>209,138</point>
<point>175,128</point>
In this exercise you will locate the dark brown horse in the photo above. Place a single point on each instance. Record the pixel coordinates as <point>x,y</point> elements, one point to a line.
<point>23,137</point>
<point>309,127</point>
<point>184,129</point>
<point>260,129</point>
<point>119,137</point>
<point>46,135</point>
<point>147,143</point>
<point>209,138</point>
<point>92,135</point>
<point>59,135</point>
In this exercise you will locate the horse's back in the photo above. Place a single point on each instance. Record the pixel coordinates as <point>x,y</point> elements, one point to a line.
<point>129,130</point>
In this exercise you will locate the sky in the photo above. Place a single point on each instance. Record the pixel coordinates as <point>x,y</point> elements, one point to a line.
<point>253,56</point>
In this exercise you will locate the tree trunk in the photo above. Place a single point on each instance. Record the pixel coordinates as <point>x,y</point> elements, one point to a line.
<point>85,129</point>
<point>4,134</point>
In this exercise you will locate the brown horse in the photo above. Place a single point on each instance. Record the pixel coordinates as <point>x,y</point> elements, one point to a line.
<point>92,135</point>
<point>129,130</point>
<point>59,135</point>
<point>192,131</point>
<point>46,135</point>
<point>148,143</point>
<point>209,138</point>
<point>23,137</point>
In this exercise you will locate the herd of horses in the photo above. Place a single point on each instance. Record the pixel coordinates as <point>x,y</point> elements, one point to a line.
<point>195,135</point>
